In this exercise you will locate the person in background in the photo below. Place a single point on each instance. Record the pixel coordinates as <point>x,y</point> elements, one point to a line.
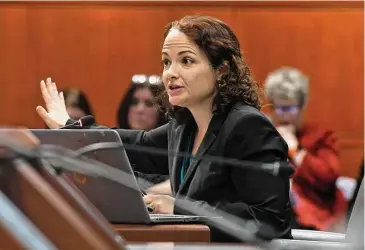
<point>77,104</point>
<point>138,109</point>
<point>313,150</point>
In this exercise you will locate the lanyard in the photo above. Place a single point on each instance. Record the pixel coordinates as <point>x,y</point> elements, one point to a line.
<point>184,163</point>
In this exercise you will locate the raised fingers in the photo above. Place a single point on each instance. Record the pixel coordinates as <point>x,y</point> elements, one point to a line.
<point>52,90</point>
<point>62,98</point>
<point>44,115</point>
<point>46,97</point>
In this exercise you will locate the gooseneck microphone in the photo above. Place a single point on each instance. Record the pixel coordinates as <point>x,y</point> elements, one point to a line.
<point>278,168</point>
<point>81,123</point>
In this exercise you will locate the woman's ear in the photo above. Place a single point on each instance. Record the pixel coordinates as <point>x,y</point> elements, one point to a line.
<point>222,70</point>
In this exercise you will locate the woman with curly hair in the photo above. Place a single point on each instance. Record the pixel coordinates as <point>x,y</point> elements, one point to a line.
<point>213,104</point>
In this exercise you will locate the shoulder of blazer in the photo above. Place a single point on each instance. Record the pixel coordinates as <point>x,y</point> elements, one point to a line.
<point>237,113</point>
<point>172,127</point>
<point>241,111</point>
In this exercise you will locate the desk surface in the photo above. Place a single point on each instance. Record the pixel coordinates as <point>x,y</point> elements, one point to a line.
<point>172,246</point>
<point>164,233</point>
<point>280,244</point>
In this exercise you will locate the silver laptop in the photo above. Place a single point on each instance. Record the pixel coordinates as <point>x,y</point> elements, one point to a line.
<point>118,203</point>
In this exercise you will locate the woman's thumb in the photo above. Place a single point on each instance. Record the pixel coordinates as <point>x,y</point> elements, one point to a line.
<point>44,115</point>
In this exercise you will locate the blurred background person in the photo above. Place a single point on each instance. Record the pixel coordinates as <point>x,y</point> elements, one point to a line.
<point>137,109</point>
<point>313,150</point>
<point>77,104</point>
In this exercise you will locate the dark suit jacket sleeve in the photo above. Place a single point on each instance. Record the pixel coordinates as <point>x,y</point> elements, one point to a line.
<point>147,166</point>
<point>261,197</point>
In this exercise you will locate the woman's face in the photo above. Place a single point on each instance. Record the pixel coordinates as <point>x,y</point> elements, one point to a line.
<point>286,112</point>
<point>142,113</point>
<point>187,75</point>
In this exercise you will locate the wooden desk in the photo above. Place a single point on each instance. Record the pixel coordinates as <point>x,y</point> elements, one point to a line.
<point>164,233</point>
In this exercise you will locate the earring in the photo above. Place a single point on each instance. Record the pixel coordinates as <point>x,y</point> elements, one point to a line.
<point>219,78</point>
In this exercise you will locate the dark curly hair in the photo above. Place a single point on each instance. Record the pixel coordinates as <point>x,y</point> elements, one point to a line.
<point>222,47</point>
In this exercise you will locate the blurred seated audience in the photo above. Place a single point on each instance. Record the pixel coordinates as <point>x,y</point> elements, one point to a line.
<point>137,109</point>
<point>313,150</point>
<point>77,104</point>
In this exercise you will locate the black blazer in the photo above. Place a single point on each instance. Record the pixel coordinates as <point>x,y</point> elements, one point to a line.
<point>243,133</point>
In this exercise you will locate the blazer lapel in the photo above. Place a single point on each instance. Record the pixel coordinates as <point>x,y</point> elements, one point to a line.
<point>175,146</point>
<point>206,144</point>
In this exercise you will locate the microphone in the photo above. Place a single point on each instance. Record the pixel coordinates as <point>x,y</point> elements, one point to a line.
<point>81,123</point>
<point>278,168</point>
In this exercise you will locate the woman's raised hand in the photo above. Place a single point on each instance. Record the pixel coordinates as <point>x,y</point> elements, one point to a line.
<point>55,115</point>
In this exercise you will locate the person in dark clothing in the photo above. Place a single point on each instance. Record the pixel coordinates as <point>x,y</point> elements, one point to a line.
<point>77,104</point>
<point>214,109</point>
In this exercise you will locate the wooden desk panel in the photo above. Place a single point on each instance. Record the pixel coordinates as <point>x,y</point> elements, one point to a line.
<point>164,233</point>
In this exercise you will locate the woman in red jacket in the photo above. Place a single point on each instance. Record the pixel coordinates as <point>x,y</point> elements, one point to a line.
<point>317,203</point>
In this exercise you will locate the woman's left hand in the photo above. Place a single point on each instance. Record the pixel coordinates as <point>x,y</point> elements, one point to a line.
<point>163,188</point>
<point>161,204</point>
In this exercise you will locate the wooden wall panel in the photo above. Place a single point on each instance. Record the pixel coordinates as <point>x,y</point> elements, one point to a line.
<point>352,152</point>
<point>98,46</point>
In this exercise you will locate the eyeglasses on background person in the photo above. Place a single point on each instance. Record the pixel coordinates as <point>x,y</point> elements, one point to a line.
<point>286,109</point>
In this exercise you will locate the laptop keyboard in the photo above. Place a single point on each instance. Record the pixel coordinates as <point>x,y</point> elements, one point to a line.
<point>169,216</point>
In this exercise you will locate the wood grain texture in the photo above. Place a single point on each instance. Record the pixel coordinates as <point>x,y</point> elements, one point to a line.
<point>164,233</point>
